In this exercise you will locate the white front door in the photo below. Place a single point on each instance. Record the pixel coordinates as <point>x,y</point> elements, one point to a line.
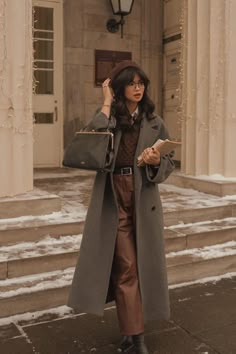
<point>47,99</point>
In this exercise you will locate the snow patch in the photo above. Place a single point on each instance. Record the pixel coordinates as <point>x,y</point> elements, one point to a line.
<point>37,282</point>
<point>207,252</point>
<point>76,214</point>
<point>213,279</point>
<point>216,177</point>
<point>65,311</point>
<point>204,226</point>
<point>46,246</point>
<point>36,193</point>
<point>63,173</point>
<point>61,311</point>
<point>184,299</point>
<point>176,198</point>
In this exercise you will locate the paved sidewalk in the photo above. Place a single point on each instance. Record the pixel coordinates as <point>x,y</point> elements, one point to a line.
<point>203,321</point>
<point>203,316</point>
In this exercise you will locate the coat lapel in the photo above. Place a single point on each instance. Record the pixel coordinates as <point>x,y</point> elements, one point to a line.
<point>116,146</point>
<point>149,131</point>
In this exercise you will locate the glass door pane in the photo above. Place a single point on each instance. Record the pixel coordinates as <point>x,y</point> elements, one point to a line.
<point>43,50</point>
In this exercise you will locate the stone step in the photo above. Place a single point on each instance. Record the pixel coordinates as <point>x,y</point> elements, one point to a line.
<point>42,175</point>
<point>51,253</point>
<point>198,263</point>
<point>179,204</point>
<point>188,215</point>
<point>189,206</point>
<point>47,290</point>
<point>186,236</point>
<point>219,186</point>
<point>36,202</point>
<point>34,228</point>
<point>34,293</point>
<point>47,255</point>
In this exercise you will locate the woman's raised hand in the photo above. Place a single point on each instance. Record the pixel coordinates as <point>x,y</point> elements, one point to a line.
<point>108,97</point>
<point>107,91</point>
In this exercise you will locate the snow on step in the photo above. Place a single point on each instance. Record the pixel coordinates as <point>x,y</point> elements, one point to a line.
<point>35,202</point>
<point>174,198</point>
<point>173,259</point>
<point>29,229</point>
<point>187,205</point>
<point>35,221</point>
<point>202,234</point>
<point>228,248</point>
<point>46,255</point>
<point>50,289</point>
<point>33,283</point>
<point>192,264</point>
<point>31,293</point>
<point>73,209</point>
<point>204,226</point>
<point>48,245</point>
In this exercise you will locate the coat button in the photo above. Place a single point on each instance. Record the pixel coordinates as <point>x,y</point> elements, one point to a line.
<point>153,208</point>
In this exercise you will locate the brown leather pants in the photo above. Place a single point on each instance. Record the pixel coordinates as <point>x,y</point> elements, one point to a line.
<point>124,274</point>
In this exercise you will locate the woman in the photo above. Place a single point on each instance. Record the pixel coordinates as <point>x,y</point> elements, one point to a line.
<point>122,254</point>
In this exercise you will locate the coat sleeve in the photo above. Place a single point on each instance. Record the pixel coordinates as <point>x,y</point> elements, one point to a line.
<point>100,122</point>
<point>158,174</point>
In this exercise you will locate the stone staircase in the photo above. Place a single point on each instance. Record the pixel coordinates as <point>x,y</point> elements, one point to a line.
<point>38,253</point>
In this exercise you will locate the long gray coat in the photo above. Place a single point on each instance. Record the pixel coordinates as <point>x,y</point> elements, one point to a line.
<point>92,274</point>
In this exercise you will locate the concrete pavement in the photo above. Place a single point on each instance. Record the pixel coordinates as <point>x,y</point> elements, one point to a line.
<point>203,316</point>
<point>203,321</point>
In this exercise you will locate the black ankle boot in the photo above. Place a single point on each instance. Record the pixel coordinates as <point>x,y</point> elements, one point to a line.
<point>139,345</point>
<point>126,345</point>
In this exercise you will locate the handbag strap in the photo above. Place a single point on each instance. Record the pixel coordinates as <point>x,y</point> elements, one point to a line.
<point>109,123</point>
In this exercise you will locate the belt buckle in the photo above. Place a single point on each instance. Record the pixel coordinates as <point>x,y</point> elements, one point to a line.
<point>126,171</point>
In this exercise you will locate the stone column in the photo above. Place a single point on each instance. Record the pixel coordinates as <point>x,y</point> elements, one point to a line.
<point>209,86</point>
<point>230,90</point>
<point>16,135</point>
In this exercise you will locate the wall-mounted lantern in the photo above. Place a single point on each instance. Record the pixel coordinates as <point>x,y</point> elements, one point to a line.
<point>120,8</point>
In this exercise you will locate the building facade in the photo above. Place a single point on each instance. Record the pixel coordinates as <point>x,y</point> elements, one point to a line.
<point>49,78</point>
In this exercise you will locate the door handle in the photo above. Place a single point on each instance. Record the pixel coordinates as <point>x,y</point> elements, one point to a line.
<point>56,113</point>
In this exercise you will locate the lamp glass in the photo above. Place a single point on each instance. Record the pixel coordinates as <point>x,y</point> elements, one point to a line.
<point>121,7</point>
<point>115,6</point>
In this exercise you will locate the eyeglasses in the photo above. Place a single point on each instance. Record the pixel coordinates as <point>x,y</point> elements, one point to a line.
<point>135,85</point>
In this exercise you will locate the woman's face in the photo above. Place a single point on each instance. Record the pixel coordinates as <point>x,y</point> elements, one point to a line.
<point>134,90</point>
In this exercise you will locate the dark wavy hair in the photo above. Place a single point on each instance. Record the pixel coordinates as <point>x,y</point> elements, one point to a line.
<point>119,108</point>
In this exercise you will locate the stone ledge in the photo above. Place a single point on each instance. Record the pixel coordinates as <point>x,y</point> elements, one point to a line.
<point>217,187</point>
<point>36,202</point>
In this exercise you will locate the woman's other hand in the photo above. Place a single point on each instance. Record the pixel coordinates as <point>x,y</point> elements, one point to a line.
<point>151,156</point>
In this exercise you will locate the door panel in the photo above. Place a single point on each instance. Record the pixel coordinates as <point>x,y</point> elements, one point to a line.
<point>47,100</point>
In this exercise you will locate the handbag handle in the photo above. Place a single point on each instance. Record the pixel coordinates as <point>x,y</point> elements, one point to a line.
<point>108,128</point>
